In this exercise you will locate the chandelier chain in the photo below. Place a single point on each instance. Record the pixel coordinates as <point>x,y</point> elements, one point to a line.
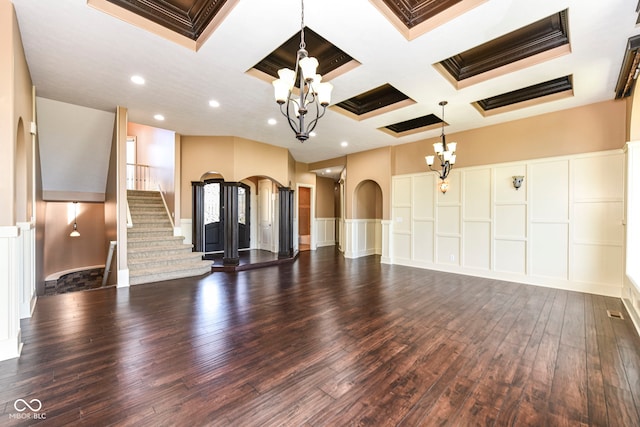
<point>302,43</point>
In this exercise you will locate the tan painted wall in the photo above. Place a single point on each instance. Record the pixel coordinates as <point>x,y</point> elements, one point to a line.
<point>595,127</point>
<point>63,252</point>
<point>374,165</point>
<point>368,201</point>
<point>257,159</point>
<point>16,105</point>
<point>233,158</point>
<point>325,198</point>
<point>303,176</point>
<point>7,125</point>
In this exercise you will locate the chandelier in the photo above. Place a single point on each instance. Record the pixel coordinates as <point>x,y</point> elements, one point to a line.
<point>446,154</point>
<point>305,105</point>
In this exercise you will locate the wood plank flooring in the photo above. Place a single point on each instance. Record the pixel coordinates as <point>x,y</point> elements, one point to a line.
<point>325,341</point>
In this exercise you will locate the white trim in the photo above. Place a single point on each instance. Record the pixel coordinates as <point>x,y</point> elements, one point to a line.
<point>123,278</point>
<point>312,220</point>
<point>59,274</point>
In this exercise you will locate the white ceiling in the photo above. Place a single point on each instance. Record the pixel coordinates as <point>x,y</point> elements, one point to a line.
<point>79,55</point>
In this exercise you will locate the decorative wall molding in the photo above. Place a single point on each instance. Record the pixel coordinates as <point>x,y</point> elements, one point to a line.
<point>325,232</point>
<point>10,272</point>
<point>563,228</point>
<point>363,237</point>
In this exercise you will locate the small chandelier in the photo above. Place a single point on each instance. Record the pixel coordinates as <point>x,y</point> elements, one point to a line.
<point>311,96</point>
<point>446,154</point>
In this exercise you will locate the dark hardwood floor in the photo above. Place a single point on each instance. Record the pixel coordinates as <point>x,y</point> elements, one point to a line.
<point>325,341</point>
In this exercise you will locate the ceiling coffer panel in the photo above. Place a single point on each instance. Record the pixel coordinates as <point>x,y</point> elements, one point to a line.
<point>374,99</point>
<point>629,69</point>
<point>329,56</point>
<point>415,12</point>
<point>539,90</point>
<point>427,121</point>
<point>188,18</point>
<point>536,38</point>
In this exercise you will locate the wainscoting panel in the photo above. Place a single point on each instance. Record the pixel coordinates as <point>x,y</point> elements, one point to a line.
<point>511,221</point>
<point>423,247</point>
<point>325,231</point>
<point>477,244</point>
<point>510,256</point>
<point>550,250</point>
<point>448,250</point>
<point>364,237</point>
<point>562,228</point>
<point>10,345</point>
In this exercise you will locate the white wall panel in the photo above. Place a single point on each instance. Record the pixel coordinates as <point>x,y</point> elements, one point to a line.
<point>597,264</point>
<point>401,246</point>
<point>503,183</point>
<point>549,250</point>
<point>402,219</point>
<point>477,245</point>
<point>422,200</point>
<point>448,250</point>
<point>423,241</point>
<point>549,187</point>
<point>402,191</point>
<point>510,256</point>
<point>598,177</point>
<point>511,221</point>
<point>449,219</point>
<point>607,215</point>
<point>477,194</point>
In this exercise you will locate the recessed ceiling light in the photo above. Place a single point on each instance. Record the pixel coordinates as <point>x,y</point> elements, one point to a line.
<point>139,80</point>
<point>327,170</point>
<point>312,134</point>
<point>344,143</point>
<point>272,121</point>
<point>159,117</point>
<point>213,103</point>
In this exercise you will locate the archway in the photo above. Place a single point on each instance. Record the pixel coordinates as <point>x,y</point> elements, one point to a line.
<point>365,232</point>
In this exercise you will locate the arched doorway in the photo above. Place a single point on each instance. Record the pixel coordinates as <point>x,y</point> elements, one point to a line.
<point>365,231</point>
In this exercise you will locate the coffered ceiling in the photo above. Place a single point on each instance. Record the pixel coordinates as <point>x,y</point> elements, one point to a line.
<point>391,62</point>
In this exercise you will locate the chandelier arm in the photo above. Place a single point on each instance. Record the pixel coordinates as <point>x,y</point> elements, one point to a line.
<point>286,114</point>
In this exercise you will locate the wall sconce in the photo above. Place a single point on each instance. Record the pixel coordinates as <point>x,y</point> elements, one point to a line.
<point>517,181</point>
<point>75,232</point>
<point>444,185</point>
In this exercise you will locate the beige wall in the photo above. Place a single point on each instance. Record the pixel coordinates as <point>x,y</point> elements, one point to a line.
<point>63,252</point>
<point>325,198</point>
<point>15,106</point>
<point>595,127</point>
<point>368,201</point>
<point>233,158</point>
<point>374,165</point>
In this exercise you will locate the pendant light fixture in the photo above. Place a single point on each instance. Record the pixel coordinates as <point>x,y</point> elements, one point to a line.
<point>446,154</point>
<point>75,232</point>
<point>302,106</point>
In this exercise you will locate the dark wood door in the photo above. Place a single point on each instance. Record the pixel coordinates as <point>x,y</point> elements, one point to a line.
<point>213,217</point>
<point>244,216</point>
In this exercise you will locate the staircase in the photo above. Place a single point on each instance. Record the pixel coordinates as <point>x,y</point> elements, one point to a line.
<point>153,252</point>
